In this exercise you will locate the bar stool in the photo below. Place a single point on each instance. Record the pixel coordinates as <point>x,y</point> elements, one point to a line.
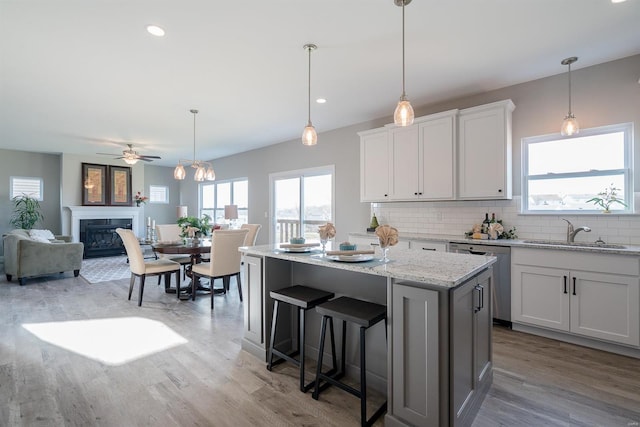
<point>362,313</point>
<point>304,298</point>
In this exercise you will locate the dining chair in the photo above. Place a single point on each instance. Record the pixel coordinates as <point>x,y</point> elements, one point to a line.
<point>171,233</point>
<point>252,235</point>
<point>225,261</point>
<point>141,268</point>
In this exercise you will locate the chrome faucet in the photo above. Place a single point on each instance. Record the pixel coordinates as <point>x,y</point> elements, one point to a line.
<point>571,232</point>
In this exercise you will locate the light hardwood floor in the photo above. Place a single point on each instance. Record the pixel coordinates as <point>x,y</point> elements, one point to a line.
<point>209,381</point>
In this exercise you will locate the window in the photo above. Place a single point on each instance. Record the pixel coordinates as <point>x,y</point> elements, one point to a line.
<point>301,200</point>
<point>561,174</point>
<point>30,186</point>
<point>214,197</point>
<point>158,194</point>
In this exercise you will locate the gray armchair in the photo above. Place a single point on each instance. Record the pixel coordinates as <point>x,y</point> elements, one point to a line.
<point>25,257</point>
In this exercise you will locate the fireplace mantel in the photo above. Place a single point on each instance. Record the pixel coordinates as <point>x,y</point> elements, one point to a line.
<point>102,212</point>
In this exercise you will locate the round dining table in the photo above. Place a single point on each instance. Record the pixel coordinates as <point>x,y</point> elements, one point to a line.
<point>195,251</point>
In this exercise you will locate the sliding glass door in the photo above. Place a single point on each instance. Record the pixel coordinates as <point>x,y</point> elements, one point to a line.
<point>301,200</point>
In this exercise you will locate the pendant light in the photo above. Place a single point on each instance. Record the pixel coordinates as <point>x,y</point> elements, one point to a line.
<point>570,124</point>
<point>204,170</point>
<point>309,135</point>
<point>403,116</point>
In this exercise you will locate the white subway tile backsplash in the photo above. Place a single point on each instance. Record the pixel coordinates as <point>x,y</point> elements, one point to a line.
<point>456,218</point>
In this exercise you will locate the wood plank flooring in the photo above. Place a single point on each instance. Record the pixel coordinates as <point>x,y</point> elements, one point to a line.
<point>210,381</point>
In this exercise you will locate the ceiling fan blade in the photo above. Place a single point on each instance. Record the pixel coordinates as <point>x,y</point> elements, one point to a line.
<point>107,154</point>
<point>149,157</point>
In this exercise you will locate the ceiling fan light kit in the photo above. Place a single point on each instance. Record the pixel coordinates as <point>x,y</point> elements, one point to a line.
<point>131,157</point>
<point>204,170</point>
<point>403,115</point>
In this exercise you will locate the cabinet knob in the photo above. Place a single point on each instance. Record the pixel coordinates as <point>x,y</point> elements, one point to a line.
<point>499,190</point>
<point>385,195</point>
<point>420,194</point>
<point>415,194</point>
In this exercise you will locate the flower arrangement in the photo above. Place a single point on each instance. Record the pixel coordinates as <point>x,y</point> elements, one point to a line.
<point>192,226</point>
<point>606,198</point>
<point>140,199</point>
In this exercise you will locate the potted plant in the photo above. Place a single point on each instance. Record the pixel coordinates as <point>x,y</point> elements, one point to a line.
<point>606,198</point>
<point>202,224</point>
<point>26,212</point>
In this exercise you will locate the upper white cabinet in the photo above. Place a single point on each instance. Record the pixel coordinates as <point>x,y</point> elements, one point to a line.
<point>468,149</point>
<point>416,162</point>
<point>484,151</point>
<point>374,165</point>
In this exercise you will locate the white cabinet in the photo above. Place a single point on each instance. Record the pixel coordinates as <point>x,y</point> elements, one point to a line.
<point>374,165</point>
<point>484,151</point>
<point>428,245</point>
<point>409,163</point>
<point>371,242</point>
<point>592,295</point>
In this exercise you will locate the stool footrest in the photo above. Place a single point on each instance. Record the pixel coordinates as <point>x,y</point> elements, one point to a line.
<point>289,357</point>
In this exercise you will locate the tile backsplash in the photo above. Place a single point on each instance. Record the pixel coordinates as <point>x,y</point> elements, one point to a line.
<point>455,218</point>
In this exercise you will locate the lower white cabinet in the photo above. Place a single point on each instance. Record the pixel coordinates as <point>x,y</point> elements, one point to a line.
<point>372,242</point>
<point>428,245</point>
<point>252,296</point>
<point>593,295</point>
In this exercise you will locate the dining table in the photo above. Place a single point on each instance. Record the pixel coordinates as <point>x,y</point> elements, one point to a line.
<point>194,250</point>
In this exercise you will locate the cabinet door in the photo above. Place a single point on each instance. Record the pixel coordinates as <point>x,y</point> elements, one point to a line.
<point>405,162</point>
<point>484,136</point>
<point>606,306</point>
<point>415,370</point>
<point>252,292</point>
<point>421,245</point>
<point>374,166</point>
<point>461,350</point>
<point>483,324</point>
<point>540,296</point>
<point>437,154</point>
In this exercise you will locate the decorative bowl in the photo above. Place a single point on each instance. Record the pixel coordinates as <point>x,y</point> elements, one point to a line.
<point>296,240</point>
<point>346,246</point>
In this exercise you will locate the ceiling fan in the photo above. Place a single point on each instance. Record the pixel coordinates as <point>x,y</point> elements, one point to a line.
<point>131,157</point>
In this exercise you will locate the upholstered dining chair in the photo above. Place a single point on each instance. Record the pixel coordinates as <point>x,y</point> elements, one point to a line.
<point>171,233</point>
<point>225,261</point>
<point>252,235</point>
<point>141,268</point>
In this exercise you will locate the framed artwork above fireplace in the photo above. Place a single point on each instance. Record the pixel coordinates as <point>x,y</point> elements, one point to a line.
<point>105,185</point>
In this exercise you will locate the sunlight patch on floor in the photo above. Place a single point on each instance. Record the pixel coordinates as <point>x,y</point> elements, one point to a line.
<point>110,341</point>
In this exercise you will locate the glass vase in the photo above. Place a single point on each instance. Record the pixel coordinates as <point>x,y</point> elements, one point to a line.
<point>324,246</point>
<point>385,252</point>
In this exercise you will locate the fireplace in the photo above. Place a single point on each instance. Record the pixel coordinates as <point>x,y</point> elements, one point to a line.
<point>100,238</point>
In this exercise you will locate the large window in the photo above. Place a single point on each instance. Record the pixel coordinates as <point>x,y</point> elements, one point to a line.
<point>562,174</point>
<point>215,196</point>
<point>301,200</point>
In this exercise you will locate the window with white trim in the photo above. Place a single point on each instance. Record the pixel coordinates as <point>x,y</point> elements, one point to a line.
<point>158,194</point>
<point>29,186</point>
<point>561,174</point>
<point>215,196</point>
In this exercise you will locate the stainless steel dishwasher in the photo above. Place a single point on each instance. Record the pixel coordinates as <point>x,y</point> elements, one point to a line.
<point>501,276</point>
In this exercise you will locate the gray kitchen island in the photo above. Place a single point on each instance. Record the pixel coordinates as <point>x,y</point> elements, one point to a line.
<point>436,364</point>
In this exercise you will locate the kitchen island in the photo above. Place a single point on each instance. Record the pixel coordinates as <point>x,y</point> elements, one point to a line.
<point>436,365</point>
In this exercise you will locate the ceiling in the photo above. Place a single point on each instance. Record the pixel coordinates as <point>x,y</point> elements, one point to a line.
<point>84,76</point>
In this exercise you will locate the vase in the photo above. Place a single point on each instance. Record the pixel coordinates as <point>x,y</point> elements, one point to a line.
<point>137,203</point>
<point>385,251</point>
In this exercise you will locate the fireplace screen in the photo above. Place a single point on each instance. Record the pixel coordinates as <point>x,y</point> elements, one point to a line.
<point>100,238</point>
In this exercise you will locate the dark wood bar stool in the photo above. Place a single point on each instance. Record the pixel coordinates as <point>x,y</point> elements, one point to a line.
<point>364,314</point>
<point>305,298</point>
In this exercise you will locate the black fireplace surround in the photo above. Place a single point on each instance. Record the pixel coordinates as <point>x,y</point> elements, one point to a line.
<point>100,238</point>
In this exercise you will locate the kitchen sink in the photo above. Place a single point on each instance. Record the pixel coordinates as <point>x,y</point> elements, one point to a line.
<point>577,244</point>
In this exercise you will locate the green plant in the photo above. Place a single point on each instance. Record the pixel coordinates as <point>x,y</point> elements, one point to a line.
<point>606,198</point>
<point>26,212</point>
<point>203,224</point>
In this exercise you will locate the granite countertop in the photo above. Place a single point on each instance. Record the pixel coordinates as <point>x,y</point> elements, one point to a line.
<point>524,243</point>
<point>435,268</point>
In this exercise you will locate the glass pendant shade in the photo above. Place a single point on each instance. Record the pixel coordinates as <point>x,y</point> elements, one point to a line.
<point>211,175</point>
<point>200,174</point>
<point>309,135</point>
<point>179,172</point>
<point>403,116</point>
<point>569,126</point>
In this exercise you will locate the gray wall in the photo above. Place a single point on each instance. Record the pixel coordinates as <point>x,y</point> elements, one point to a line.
<point>22,163</point>
<point>161,175</point>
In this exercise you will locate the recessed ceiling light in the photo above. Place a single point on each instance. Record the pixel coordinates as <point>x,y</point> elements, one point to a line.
<point>321,100</point>
<point>155,30</point>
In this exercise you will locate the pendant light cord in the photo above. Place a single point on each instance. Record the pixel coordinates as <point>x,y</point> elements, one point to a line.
<point>403,87</point>
<point>309,89</point>
<point>194,134</point>
<point>569,89</point>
